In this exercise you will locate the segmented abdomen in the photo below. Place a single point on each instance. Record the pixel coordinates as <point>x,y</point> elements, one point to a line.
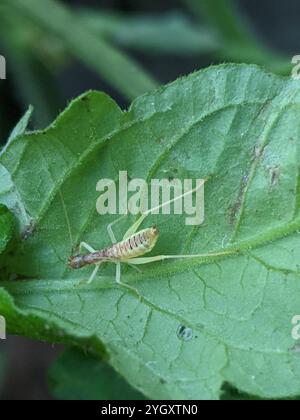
<point>135,246</point>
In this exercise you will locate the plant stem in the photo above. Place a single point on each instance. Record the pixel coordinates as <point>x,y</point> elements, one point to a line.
<point>239,42</point>
<point>112,65</point>
<point>222,15</point>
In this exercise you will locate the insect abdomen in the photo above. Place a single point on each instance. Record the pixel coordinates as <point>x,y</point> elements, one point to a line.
<point>137,245</point>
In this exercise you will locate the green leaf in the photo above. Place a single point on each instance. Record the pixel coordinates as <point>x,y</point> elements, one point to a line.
<point>233,125</point>
<point>22,125</point>
<point>229,393</point>
<point>6,227</point>
<point>112,65</point>
<point>78,376</point>
<point>169,33</point>
<point>8,194</point>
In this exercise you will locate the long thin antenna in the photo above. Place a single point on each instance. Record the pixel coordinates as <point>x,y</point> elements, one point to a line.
<point>67,218</point>
<point>174,199</point>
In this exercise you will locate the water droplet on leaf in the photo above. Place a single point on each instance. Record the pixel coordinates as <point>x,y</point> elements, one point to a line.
<point>184,333</point>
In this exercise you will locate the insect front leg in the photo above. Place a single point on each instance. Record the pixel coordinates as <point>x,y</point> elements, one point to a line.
<point>92,276</point>
<point>87,247</point>
<point>94,273</point>
<point>111,232</point>
<point>132,230</point>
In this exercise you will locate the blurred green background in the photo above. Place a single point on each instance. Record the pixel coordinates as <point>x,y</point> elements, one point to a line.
<point>56,50</point>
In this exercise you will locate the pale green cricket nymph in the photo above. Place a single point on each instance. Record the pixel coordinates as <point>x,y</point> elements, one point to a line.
<point>130,249</point>
<point>127,250</point>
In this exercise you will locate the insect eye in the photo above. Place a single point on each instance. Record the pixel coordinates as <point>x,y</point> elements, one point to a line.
<point>155,230</point>
<point>76,261</point>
